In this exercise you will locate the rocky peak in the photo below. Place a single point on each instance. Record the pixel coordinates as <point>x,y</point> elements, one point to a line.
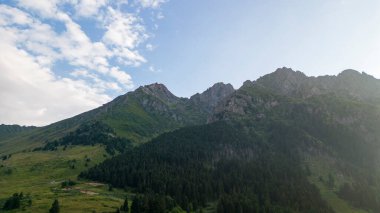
<point>213,95</point>
<point>160,91</point>
<point>248,83</point>
<point>349,73</point>
<point>287,75</point>
<point>284,81</point>
<point>356,76</point>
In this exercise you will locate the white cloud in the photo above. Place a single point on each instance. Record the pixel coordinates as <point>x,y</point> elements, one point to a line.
<point>88,8</point>
<point>32,92</point>
<point>32,95</point>
<point>160,15</point>
<point>151,3</point>
<point>150,47</point>
<point>124,33</point>
<point>121,77</point>
<point>97,82</point>
<point>46,8</point>
<point>13,15</point>
<point>153,69</point>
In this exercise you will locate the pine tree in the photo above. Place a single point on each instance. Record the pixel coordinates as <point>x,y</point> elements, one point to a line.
<point>54,207</point>
<point>125,207</point>
<point>135,208</point>
<point>331,181</point>
<point>12,202</point>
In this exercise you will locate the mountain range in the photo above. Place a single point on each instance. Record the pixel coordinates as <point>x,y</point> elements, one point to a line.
<point>285,142</point>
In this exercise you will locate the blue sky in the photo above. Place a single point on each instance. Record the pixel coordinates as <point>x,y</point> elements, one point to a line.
<point>59,58</point>
<point>201,42</point>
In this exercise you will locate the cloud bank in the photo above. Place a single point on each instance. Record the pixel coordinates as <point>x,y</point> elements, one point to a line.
<point>51,68</point>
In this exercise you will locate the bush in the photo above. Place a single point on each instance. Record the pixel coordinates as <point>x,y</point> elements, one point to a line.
<point>67,183</point>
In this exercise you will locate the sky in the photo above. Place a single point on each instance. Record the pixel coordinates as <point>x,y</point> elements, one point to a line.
<point>59,58</point>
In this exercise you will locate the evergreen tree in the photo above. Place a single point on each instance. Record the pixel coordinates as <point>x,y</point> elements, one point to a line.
<point>135,208</point>
<point>12,202</point>
<point>331,181</point>
<point>54,207</point>
<point>125,207</point>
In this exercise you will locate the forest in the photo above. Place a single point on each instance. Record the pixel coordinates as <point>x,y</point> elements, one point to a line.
<point>237,167</point>
<point>89,134</point>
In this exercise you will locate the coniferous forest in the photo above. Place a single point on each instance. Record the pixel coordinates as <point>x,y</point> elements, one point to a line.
<point>89,134</point>
<point>224,163</point>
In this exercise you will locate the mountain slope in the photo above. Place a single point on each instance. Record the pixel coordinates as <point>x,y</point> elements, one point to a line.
<point>219,162</point>
<point>7,131</point>
<point>340,112</point>
<point>139,116</point>
<point>323,130</point>
<point>283,143</point>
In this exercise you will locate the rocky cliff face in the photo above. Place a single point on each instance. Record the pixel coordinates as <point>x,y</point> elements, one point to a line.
<point>257,98</point>
<point>210,98</point>
<point>285,81</point>
<point>159,91</point>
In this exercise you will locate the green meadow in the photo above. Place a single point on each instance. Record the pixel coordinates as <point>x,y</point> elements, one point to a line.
<point>40,174</point>
<point>320,171</point>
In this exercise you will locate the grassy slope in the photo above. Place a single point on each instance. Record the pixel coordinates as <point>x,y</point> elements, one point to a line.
<point>40,174</point>
<point>7,131</point>
<point>127,118</point>
<point>35,138</point>
<point>133,122</point>
<point>321,168</point>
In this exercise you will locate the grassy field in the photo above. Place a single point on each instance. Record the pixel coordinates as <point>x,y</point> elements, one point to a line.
<point>39,174</point>
<point>320,171</point>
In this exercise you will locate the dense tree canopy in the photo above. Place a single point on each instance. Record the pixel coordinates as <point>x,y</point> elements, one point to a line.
<point>221,162</point>
<point>91,134</point>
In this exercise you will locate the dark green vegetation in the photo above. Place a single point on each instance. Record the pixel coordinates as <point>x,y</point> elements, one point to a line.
<point>254,155</point>
<point>202,164</point>
<point>54,207</point>
<point>283,143</point>
<point>125,206</point>
<point>17,201</point>
<point>153,203</point>
<point>90,134</point>
<point>7,131</point>
<point>68,183</point>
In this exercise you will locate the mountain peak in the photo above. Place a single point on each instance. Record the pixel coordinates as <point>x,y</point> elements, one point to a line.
<point>213,95</point>
<point>158,90</point>
<point>284,80</point>
<point>284,75</point>
<point>349,73</point>
<point>156,86</point>
<point>284,69</point>
<point>220,87</point>
<point>288,72</point>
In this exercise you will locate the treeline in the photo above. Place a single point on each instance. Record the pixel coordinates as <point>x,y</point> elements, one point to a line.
<point>335,123</point>
<point>89,134</point>
<point>154,203</point>
<point>240,168</point>
<point>11,130</point>
<point>362,196</point>
<point>17,201</point>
